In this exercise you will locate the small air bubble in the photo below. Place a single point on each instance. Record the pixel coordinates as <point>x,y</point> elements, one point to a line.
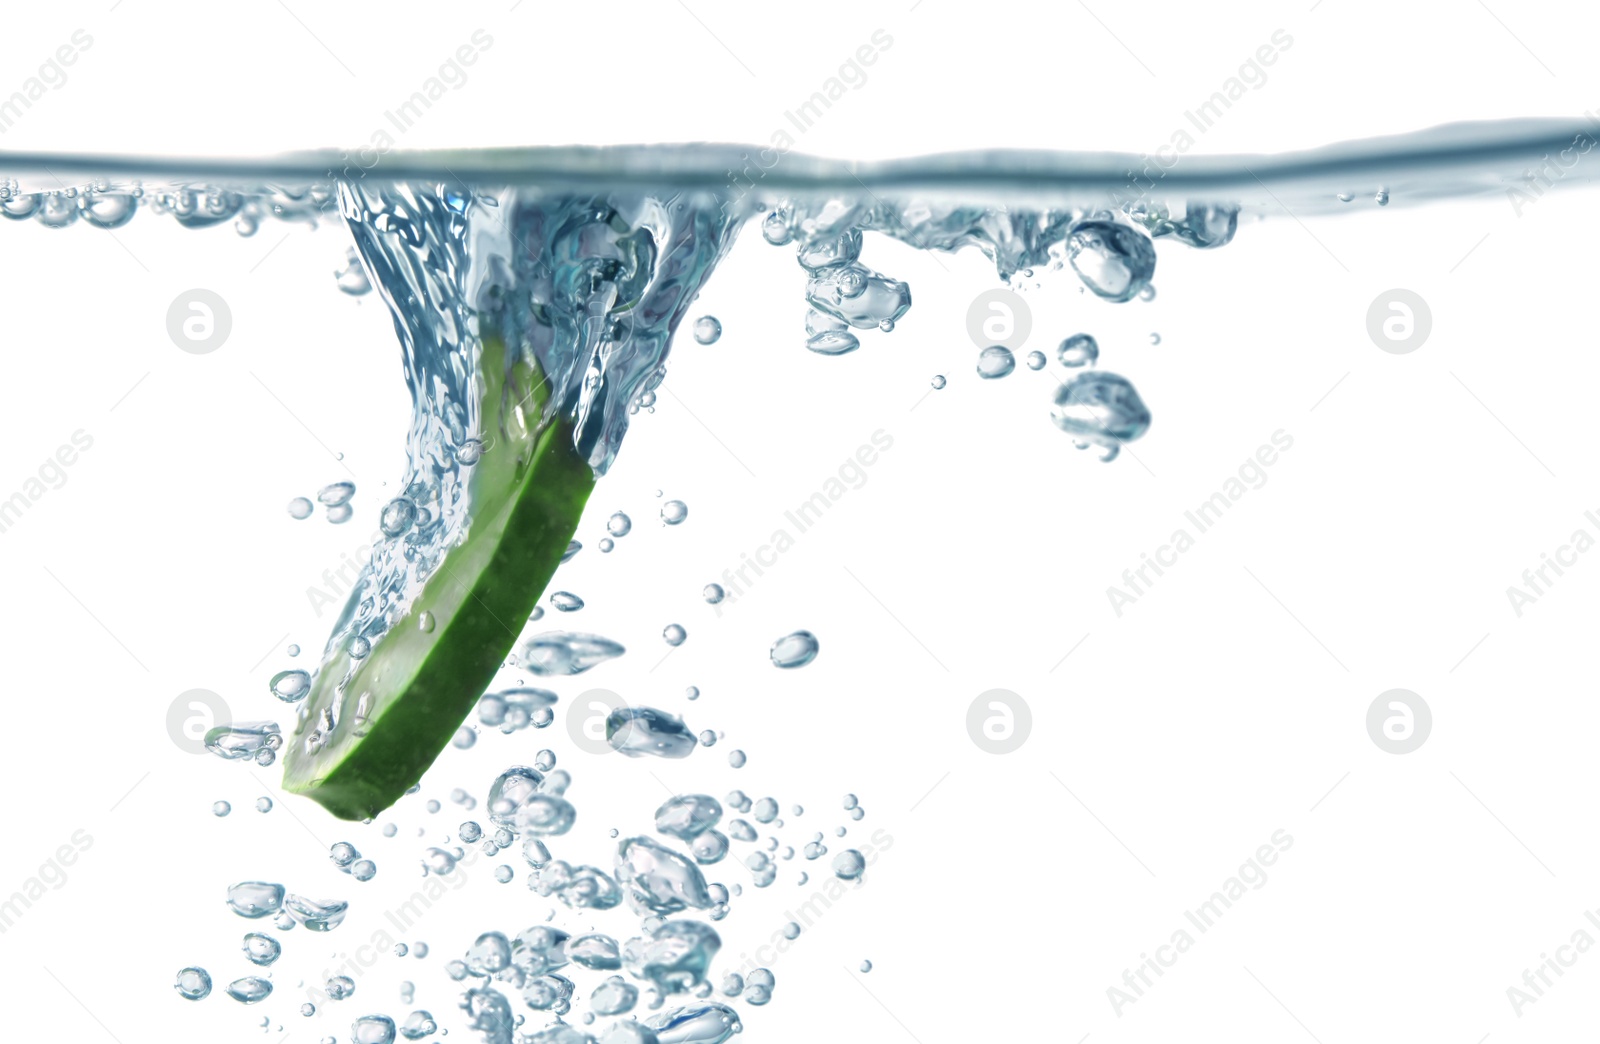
<point>996,361</point>
<point>707,329</point>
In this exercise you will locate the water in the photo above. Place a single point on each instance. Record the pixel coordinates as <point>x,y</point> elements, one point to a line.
<point>261,949</point>
<point>418,1024</point>
<point>566,601</point>
<point>687,816</point>
<point>1078,350</point>
<point>707,330</point>
<point>645,731</point>
<point>615,996</point>
<point>243,741</point>
<point>702,1024</point>
<point>193,984</point>
<point>251,989</point>
<point>256,899</point>
<point>372,1029</point>
<point>590,277</point>
<point>1100,408</point>
<point>291,686</point>
<point>996,361</point>
<point>795,650</point>
<point>849,865</point>
<point>560,652</point>
<point>659,880</point>
<point>606,277</point>
<point>1114,260</point>
<point>316,916</point>
<point>675,956</point>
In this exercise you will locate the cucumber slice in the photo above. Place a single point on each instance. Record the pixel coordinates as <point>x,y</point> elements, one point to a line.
<point>405,700</point>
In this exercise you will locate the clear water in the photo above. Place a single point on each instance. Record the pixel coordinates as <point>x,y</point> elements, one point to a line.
<point>588,262</point>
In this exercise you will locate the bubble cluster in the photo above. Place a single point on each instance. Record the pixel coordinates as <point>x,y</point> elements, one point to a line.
<point>601,282</point>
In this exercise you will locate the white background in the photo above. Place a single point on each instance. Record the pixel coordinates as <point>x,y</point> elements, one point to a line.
<point>1227,704</point>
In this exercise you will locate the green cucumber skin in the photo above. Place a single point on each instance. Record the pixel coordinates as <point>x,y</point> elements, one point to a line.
<point>425,684</point>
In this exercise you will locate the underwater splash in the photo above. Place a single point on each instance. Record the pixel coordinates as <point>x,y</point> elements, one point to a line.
<point>580,266</point>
